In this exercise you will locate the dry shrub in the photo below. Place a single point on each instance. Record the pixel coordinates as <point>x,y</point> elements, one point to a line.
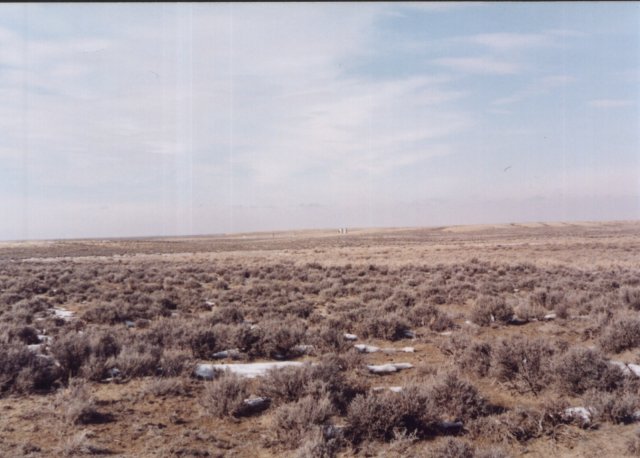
<point>139,360</point>
<point>454,448</point>
<point>384,326</point>
<point>279,337</point>
<point>292,421</point>
<point>71,350</point>
<point>545,299</point>
<point>613,407</point>
<point>562,311</point>
<point>23,371</point>
<point>520,424</point>
<point>162,387</point>
<point>631,298</point>
<point>173,362</point>
<point>582,369</point>
<point>524,363</point>
<point>327,376</point>
<point>473,357</point>
<point>491,452</point>
<point>79,445</point>
<point>204,343</point>
<point>423,315</point>
<point>530,311</point>
<point>488,309</point>
<point>376,415</point>
<point>225,395</point>
<point>621,334</point>
<point>76,406</point>
<point>458,398</point>
<point>633,444</point>
<point>105,345</point>
<point>25,334</point>
<point>319,442</point>
<point>227,315</point>
<point>97,369</point>
<point>330,338</point>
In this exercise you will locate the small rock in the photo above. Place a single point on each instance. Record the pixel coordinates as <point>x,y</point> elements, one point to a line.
<point>233,353</point>
<point>388,368</point>
<point>580,413</point>
<point>451,427</point>
<point>350,337</point>
<point>253,405</point>
<point>363,348</point>
<point>249,370</point>
<point>515,321</point>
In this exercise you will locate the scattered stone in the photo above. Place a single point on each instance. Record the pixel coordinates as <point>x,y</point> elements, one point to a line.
<point>129,324</point>
<point>515,321</point>
<point>249,370</point>
<point>253,405</point>
<point>44,339</point>
<point>233,353</point>
<point>394,389</point>
<point>627,368</point>
<point>549,317</point>
<point>113,374</point>
<point>303,349</point>
<point>363,348</point>
<point>348,336</point>
<point>388,368</point>
<point>580,413</point>
<point>450,427</point>
<point>409,334</point>
<point>63,313</point>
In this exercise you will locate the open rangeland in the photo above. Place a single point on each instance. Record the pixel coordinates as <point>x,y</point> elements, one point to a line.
<point>485,341</point>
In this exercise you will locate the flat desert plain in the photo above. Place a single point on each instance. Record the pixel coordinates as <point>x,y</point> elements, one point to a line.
<point>468,341</point>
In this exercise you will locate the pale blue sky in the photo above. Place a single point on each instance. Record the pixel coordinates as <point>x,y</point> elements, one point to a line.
<point>161,119</point>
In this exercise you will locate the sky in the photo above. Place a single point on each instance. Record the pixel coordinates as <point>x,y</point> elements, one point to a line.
<point>176,119</point>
